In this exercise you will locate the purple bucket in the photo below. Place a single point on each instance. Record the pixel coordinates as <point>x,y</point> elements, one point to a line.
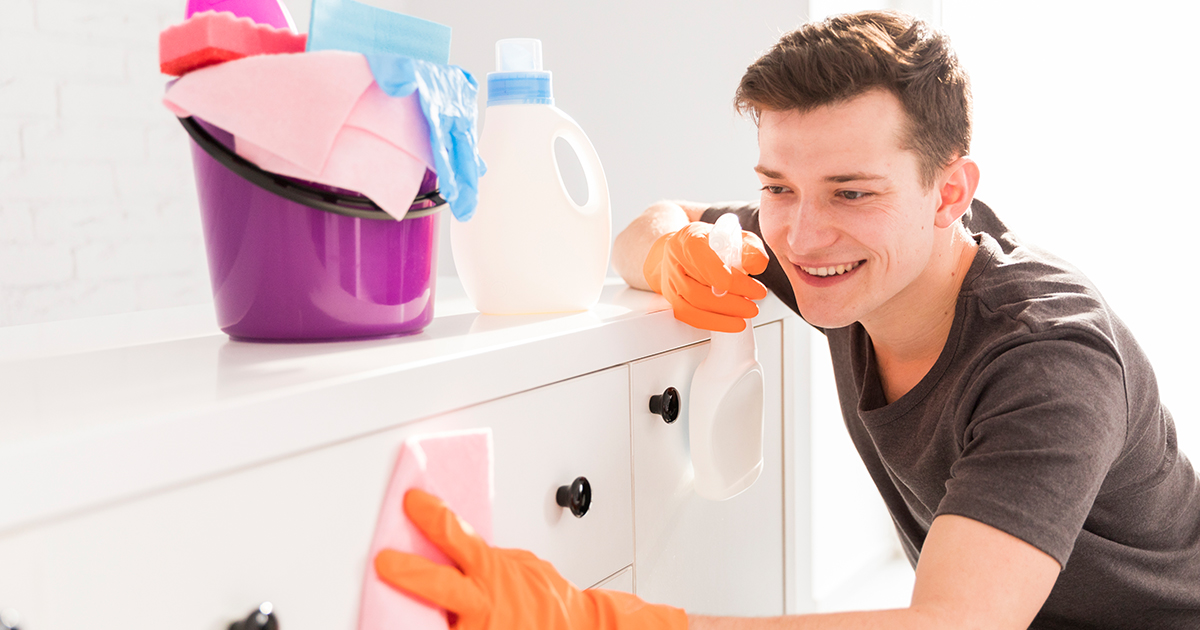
<point>296,261</point>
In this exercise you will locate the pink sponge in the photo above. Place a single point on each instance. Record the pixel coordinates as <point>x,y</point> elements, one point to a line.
<point>455,467</point>
<point>213,37</point>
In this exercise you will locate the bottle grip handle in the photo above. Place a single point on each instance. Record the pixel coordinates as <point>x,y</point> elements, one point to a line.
<point>592,170</point>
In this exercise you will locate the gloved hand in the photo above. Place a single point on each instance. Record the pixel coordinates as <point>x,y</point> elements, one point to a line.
<point>685,270</point>
<point>500,589</point>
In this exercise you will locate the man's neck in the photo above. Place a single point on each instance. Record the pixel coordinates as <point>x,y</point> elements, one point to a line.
<point>909,336</point>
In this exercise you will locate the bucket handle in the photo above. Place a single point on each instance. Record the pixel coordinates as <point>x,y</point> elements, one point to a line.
<point>356,206</point>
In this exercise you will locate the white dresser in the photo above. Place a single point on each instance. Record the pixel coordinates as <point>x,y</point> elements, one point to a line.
<point>156,474</point>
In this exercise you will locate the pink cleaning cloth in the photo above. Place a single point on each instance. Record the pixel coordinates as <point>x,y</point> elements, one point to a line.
<point>456,467</point>
<point>209,38</point>
<point>364,156</point>
<point>317,116</point>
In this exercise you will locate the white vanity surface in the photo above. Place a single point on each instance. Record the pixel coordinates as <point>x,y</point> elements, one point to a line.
<point>98,410</point>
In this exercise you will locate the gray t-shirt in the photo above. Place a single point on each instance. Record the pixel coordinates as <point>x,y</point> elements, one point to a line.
<point>1040,418</point>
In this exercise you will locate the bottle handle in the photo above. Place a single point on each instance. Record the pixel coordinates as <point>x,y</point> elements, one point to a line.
<point>592,171</point>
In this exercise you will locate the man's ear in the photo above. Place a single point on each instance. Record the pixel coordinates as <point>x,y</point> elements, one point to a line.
<point>957,187</point>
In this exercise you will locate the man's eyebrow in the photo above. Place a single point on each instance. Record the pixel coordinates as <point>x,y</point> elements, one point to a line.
<point>837,179</point>
<point>768,172</point>
<point>853,177</point>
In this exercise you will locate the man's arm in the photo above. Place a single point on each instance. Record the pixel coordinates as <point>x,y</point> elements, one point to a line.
<point>970,575</point>
<point>633,243</point>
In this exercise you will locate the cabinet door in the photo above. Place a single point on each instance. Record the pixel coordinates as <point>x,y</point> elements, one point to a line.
<point>296,531</point>
<point>708,557</point>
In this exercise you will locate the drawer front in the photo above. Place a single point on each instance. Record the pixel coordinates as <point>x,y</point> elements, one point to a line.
<point>578,428</point>
<point>296,531</point>
<point>708,557</point>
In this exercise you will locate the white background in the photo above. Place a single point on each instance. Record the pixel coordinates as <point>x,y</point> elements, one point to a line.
<point>1086,133</point>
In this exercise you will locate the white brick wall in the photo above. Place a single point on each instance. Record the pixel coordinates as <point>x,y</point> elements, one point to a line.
<point>16,16</point>
<point>98,208</point>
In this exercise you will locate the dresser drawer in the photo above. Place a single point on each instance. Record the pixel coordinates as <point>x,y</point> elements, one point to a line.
<point>548,437</point>
<point>737,545</point>
<point>296,531</point>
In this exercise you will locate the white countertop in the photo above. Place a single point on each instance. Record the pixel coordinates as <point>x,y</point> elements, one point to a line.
<point>99,410</point>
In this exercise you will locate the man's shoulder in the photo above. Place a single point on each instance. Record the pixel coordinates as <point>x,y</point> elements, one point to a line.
<point>1028,285</point>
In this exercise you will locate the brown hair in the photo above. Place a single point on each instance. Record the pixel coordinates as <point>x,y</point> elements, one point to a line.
<point>841,57</point>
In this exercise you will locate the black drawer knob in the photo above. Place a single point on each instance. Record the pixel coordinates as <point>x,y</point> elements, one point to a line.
<point>577,496</point>
<point>666,404</point>
<point>263,618</point>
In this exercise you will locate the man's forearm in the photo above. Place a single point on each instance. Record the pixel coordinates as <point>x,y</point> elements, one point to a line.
<point>970,575</point>
<point>899,619</point>
<point>633,243</point>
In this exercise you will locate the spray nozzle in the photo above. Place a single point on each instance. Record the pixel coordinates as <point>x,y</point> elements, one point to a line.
<point>726,240</point>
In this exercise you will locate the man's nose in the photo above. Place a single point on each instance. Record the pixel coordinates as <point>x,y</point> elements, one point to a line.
<point>810,228</point>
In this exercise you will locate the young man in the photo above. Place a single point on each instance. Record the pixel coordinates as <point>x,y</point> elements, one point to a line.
<point>1007,416</point>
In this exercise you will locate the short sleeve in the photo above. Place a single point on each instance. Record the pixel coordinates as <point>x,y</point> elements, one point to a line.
<point>774,278</point>
<point>1048,419</point>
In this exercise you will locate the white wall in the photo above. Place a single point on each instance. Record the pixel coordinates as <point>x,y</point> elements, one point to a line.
<point>97,207</point>
<point>97,204</point>
<point>1086,134</point>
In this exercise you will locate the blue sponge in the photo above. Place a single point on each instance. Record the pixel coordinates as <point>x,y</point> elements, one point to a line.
<point>357,27</point>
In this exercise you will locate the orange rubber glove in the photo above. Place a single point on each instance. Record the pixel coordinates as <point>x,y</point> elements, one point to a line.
<point>685,270</point>
<point>501,589</point>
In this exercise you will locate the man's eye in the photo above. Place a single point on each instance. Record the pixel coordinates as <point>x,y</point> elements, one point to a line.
<point>774,190</point>
<point>852,195</point>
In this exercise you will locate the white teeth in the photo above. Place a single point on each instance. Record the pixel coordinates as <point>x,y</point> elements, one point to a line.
<point>829,271</point>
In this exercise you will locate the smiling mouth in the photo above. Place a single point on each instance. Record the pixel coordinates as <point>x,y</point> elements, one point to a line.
<point>835,270</point>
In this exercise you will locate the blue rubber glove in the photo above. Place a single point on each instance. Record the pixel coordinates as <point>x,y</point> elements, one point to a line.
<point>448,99</point>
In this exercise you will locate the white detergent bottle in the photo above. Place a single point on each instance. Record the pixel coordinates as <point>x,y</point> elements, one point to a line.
<point>530,248</point>
<point>725,413</point>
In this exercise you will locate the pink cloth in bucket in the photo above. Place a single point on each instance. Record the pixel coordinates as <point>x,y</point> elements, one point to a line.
<point>316,116</point>
<point>456,467</point>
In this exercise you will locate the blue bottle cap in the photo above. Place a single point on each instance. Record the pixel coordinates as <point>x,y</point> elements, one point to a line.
<point>519,78</point>
<point>511,88</point>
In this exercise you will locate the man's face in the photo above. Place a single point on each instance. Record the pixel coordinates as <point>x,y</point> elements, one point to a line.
<point>844,209</point>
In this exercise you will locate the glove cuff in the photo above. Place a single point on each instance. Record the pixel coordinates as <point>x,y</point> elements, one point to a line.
<point>616,610</point>
<point>652,268</point>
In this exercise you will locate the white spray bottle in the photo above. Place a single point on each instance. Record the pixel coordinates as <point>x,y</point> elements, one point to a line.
<point>726,403</point>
